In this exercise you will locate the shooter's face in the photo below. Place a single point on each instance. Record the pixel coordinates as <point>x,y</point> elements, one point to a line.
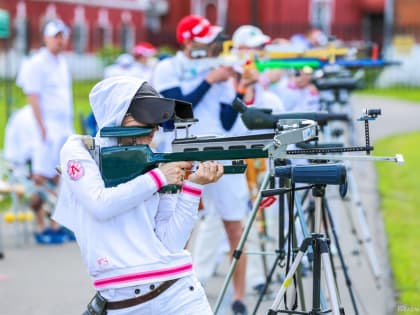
<point>303,80</point>
<point>129,121</point>
<point>197,50</point>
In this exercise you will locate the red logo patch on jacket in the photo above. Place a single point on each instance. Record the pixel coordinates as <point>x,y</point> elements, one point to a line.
<point>75,169</point>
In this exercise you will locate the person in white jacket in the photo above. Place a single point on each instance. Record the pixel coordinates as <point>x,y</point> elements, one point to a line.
<point>132,237</point>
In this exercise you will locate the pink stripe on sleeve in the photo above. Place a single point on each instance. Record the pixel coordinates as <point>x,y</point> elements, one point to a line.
<point>156,178</point>
<point>191,190</point>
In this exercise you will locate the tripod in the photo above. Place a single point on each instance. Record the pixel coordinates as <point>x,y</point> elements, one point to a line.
<point>280,251</point>
<point>320,252</point>
<point>321,175</point>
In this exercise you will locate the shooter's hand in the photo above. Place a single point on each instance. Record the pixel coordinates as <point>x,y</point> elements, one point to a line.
<point>206,173</point>
<point>175,171</point>
<point>220,74</point>
<point>249,77</point>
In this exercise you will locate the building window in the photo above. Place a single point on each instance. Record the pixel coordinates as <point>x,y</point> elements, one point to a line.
<point>80,30</point>
<point>80,38</point>
<point>214,10</point>
<point>127,35</point>
<point>211,13</point>
<point>103,30</point>
<point>21,29</point>
<point>321,14</point>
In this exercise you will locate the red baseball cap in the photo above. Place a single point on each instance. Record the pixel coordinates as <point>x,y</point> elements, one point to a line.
<point>196,28</point>
<point>144,49</point>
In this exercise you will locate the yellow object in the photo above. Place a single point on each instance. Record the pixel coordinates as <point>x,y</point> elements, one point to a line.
<point>9,217</point>
<point>255,168</point>
<point>29,216</point>
<point>21,216</point>
<point>403,44</point>
<point>287,282</point>
<point>329,52</point>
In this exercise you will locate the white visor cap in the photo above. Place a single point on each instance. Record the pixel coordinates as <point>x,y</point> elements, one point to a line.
<point>249,36</point>
<point>53,27</point>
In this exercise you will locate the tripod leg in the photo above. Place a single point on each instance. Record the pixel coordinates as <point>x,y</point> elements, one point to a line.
<point>306,233</point>
<point>299,280</point>
<point>299,220</point>
<point>364,227</point>
<point>329,278</point>
<point>289,277</point>
<point>341,256</point>
<point>237,253</point>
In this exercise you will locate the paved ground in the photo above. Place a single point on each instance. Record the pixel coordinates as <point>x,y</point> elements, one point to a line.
<point>51,280</point>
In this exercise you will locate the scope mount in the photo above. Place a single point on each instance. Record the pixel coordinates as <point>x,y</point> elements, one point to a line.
<point>303,130</point>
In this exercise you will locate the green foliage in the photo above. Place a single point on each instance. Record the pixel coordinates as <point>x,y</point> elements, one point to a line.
<point>166,50</point>
<point>398,188</point>
<point>81,91</point>
<point>370,77</point>
<point>405,93</point>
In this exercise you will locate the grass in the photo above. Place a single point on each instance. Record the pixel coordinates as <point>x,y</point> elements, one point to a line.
<point>398,188</point>
<point>411,94</point>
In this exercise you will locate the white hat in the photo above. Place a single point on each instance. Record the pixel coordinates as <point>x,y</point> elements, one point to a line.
<point>249,36</point>
<point>125,60</point>
<point>54,27</point>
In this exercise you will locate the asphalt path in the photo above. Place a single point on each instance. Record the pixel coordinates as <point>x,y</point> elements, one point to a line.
<point>51,280</point>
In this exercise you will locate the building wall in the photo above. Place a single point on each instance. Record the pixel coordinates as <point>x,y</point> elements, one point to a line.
<point>407,13</point>
<point>283,18</point>
<point>35,11</point>
<point>350,19</point>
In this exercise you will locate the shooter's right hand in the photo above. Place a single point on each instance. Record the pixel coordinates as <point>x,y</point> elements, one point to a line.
<point>175,171</point>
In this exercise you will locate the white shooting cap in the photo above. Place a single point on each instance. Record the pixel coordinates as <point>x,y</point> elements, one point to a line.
<point>53,27</point>
<point>125,60</point>
<point>249,36</point>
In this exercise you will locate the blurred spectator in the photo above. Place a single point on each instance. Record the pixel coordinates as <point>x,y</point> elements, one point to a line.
<point>312,39</point>
<point>250,89</point>
<point>249,37</point>
<point>46,81</point>
<point>18,144</point>
<point>144,54</point>
<point>124,65</point>
<point>297,91</point>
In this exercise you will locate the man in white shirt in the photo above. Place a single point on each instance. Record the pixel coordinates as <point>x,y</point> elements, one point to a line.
<point>191,76</point>
<point>46,81</point>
